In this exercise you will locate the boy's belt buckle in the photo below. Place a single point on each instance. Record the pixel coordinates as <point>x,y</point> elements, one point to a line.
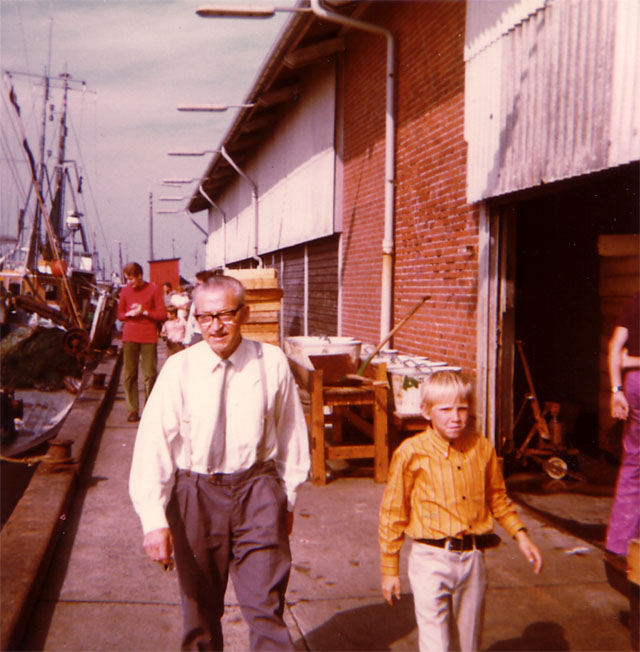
<point>454,544</point>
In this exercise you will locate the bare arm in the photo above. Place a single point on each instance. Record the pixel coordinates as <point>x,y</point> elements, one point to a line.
<point>619,404</point>
<point>630,361</point>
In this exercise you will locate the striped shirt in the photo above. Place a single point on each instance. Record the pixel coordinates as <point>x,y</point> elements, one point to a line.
<point>439,489</point>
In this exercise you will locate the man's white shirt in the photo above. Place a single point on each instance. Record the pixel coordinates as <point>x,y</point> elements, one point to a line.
<point>178,423</point>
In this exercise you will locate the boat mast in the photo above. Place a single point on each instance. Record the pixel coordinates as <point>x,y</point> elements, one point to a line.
<point>58,216</point>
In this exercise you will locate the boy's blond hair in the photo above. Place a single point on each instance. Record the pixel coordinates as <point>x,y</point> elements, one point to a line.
<point>444,386</point>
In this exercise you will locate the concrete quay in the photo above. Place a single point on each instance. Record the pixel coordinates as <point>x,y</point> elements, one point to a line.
<point>100,592</point>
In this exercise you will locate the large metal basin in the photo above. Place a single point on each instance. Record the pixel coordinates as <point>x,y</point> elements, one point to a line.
<point>405,387</point>
<point>301,347</point>
<point>406,384</point>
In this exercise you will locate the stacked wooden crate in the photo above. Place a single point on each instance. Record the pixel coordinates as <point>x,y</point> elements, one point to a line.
<point>619,281</point>
<point>264,298</point>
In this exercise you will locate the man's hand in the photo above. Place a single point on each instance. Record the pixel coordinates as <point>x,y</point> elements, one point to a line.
<point>134,311</point>
<point>158,545</point>
<point>529,550</point>
<point>390,587</point>
<point>619,406</point>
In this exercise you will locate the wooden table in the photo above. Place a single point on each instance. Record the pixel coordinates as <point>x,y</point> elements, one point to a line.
<point>402,426</point>
<point>362,402</point>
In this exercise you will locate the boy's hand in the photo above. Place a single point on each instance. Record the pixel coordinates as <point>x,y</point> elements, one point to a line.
<point>390,588</point>
<point>529,550</point>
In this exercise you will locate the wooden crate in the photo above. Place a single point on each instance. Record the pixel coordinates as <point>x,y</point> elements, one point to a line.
<point>618,282</point>
<point>264,299</point>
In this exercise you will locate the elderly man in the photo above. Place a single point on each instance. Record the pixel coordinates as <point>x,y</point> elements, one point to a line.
<point>221,450</point>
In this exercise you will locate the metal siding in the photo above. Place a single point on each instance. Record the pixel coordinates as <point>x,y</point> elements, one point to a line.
<point>555,97</point>
<point>294,171</point>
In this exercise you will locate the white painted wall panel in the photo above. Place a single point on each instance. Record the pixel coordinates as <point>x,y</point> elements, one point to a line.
<point>294,172</point>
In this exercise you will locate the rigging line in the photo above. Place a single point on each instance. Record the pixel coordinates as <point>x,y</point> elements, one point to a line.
<point>12,164</point>
<point>45,215</point>
<point>7,110</point>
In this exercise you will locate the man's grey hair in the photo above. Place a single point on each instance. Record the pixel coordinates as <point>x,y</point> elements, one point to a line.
<point>221,283</point>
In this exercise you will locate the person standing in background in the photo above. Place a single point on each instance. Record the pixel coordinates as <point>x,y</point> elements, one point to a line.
<point>140,308</point>
<point>173,330</point>
<point>193,334</point>
<point>168,292</point>
<point>624,373</point>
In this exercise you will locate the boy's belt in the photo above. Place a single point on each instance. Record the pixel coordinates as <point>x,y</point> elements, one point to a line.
<point>466,542</point>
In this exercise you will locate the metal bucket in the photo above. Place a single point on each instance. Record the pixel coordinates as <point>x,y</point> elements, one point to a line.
<point>301,347</point>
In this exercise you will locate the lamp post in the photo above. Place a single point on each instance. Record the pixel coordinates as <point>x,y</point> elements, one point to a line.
<point>388,242</point>
<point>254,194</point>
<point>229,11</point>
<point>204,231</point>
<point>212,108</point>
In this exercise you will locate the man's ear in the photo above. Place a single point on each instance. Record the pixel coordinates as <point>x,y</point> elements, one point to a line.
<point>244,314</point>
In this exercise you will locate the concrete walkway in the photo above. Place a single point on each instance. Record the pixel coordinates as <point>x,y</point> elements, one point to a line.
<point>103,594</point>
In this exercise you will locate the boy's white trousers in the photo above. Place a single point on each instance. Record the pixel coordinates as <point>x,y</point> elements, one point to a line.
<point>448,592</point>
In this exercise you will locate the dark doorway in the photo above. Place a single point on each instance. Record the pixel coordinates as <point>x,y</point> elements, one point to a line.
<point>557,310</point>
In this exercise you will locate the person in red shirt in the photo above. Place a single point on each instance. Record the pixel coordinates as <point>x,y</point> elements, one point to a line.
<point>140,307</point>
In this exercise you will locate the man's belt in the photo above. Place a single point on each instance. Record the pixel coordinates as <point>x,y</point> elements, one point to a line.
<point>466,542</point>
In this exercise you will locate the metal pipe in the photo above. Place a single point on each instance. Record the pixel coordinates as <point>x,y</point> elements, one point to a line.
<point>388,242</point>
<point>224,224</point>
<point>254,197</point>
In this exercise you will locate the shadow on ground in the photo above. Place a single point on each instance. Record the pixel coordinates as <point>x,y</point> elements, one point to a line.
<point>543,636</point>
<point>365,628</point>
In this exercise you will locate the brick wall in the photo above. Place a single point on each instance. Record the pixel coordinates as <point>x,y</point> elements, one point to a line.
<point>436,231</point>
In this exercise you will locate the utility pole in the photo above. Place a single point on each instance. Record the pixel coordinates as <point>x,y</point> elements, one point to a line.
<point>150,226</point>
<point>120,259</point>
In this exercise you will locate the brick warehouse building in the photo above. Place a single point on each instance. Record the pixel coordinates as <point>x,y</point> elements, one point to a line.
<point>505,186</point>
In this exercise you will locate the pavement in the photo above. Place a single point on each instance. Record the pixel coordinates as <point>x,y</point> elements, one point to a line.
<point>98,591</point>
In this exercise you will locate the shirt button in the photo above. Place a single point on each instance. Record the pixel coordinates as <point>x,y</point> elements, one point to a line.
<point>459,468</point>
<point>464,497</point>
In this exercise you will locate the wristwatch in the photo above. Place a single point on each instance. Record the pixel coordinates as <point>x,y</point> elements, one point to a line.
<point>616,389</point>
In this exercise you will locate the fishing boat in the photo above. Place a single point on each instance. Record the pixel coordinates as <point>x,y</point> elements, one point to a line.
<point>57,315</point>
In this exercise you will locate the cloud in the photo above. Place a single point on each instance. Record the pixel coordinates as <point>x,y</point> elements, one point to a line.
<point>141,58</point>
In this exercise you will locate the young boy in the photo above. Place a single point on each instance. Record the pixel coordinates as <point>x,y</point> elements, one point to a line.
<point>173,330</point>
<point>444,490</point>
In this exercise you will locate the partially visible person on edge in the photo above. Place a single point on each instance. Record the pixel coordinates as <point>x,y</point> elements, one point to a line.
<point>167,293</point>
<point>445,488</point>
<point>624,373</point>
<point>221,450</point>
<point>181,300</point>
<point>193,334</point>
<point>173,330</point>
<point>140,308</point>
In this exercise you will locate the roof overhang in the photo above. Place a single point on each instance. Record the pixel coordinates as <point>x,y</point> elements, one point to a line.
<point>303,40</point>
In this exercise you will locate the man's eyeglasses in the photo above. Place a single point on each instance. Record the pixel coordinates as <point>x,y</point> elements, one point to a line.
<point>225,316</point>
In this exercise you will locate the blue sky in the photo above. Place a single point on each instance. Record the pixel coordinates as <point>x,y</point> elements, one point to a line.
<point>140,59</point>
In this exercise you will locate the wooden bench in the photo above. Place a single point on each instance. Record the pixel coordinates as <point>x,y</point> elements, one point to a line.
<point>371,393</point>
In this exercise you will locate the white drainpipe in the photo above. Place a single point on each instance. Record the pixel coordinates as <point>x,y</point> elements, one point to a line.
<point>388,242</point>
<point>254,199</point>
<point>224,225</point>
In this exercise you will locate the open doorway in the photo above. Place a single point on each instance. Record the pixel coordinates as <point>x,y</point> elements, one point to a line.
<point>552,269</point>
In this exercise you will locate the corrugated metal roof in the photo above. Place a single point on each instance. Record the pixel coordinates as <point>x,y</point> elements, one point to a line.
<point>556,96</point>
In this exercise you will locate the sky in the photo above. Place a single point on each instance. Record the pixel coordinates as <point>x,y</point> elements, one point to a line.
<point>140,59</point>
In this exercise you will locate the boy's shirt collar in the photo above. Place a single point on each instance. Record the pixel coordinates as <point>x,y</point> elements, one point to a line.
<point>444,446</point>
